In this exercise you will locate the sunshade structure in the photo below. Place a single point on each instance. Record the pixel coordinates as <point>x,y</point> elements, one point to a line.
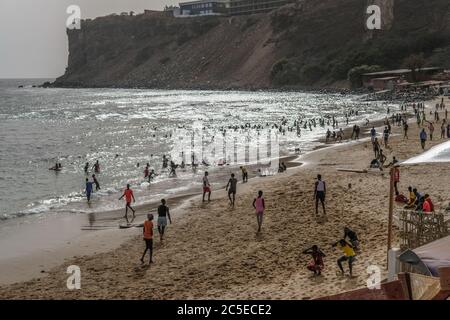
<point>428,258</point>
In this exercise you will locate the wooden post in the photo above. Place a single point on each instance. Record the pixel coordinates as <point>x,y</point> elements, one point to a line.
<point>391,209</point>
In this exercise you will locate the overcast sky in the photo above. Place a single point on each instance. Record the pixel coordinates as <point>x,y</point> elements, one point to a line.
<point>33,41</point>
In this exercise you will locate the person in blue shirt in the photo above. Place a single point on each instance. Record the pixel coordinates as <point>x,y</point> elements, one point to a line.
<point>423,138</point>
<point>89,188</point>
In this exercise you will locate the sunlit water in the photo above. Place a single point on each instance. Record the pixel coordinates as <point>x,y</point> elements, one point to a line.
<point>121,128</point>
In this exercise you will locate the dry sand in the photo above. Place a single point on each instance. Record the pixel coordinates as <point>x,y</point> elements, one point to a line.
<point>212,251</point>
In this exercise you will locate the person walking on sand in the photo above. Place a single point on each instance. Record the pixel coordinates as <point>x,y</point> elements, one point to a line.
<point>349,255</point>
<point>319,193</point>
<point>373,134</point>
<point>231,188</point>
<point>423,138</point>
<point>386,137</point>
<point>128,194</point>
<point>148,238</point>
<point>244,174</point>
<point>89,189</point>
<point>405,130</point>
<point>163,214</point>
<point>259,205</point>
<point>206,187</point>
<point>316,265</point>
<point>431,128</point>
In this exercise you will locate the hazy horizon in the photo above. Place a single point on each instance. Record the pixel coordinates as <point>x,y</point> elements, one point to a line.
<point>33,40</point>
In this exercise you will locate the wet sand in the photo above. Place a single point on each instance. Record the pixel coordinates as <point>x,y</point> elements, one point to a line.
<point>213,251</point>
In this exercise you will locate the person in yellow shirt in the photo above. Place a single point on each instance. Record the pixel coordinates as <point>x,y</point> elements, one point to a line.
<point>412,198</point>
<point>349,255</point>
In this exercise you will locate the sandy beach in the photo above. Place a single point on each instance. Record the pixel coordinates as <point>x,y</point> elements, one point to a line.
<point>213,251</point>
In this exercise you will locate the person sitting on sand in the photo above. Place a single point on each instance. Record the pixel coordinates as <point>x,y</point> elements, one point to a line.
<point>352,237</point>
<point>400,198</point>
<point>349,255</point>
<point>259,205</point>
<point>148,238</point>
<point>375,164</point>
<point>419,200</point>
<point>428,205</point>
<point>412,198</point>
<point>316,265</point>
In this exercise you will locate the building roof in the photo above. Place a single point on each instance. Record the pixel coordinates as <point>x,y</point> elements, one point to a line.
<point>385,79</point>
<point>399,71</point>
<point>201,1</point>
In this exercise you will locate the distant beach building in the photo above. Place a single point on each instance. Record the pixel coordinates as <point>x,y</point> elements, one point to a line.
<point>241,7</point>
<point>387,80</point>
<point>203,8</point>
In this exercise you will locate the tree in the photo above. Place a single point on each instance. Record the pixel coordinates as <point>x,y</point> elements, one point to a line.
<point>354,74</point>
<point>415,62</point>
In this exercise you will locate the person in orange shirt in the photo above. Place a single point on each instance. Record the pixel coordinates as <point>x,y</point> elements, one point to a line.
<point>148,237</point>
<point>128,194</point>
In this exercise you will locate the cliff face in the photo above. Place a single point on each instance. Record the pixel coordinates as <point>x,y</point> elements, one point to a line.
<point>312,42</point>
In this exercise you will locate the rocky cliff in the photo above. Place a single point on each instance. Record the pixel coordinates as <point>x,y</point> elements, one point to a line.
<point>308,43</point>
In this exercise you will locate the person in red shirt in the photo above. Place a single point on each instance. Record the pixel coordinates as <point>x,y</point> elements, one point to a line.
<point>396,178</point>
<point>148,237</point>
<point>128,194</point>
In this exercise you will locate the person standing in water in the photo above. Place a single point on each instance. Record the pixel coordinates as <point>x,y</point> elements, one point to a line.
<point>128,194</point>
<point>206,187</point>
<point>96,167</point>
<point>148,238</point>
<point>163,214</point>
<point>86,167</point>
<point>319,193</point>
<point>97,184</point>
<point>232,183</point>
<point>260,206</point>
<point>89,189</point>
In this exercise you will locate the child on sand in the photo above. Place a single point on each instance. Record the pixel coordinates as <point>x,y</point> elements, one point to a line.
<point>206,187</point>
<point>349,255</point>
<point>259,206</point>
<point>148,237</point>
<point>316,265</point>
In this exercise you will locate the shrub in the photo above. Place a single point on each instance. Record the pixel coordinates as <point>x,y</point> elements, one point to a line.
<point>354,74</point>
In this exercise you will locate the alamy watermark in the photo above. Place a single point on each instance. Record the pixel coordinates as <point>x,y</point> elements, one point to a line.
<point>73,22</point>
<point>74,280</point>
<point>200,145</point>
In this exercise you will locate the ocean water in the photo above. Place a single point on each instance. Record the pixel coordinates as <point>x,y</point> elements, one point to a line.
<point>121,128</point>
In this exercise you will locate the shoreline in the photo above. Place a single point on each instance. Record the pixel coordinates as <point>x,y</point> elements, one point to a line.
<point>226,234</point>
